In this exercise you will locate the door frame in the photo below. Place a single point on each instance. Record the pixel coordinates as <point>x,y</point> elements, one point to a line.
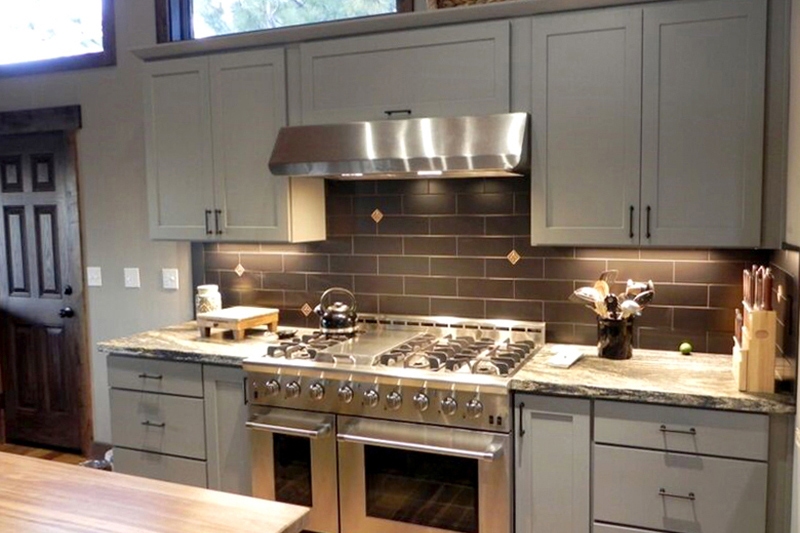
<point>66,119</point>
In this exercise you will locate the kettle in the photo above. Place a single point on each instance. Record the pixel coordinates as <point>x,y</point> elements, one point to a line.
<point>337,318</point>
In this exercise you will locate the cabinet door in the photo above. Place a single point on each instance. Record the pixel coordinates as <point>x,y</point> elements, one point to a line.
<point>227,445</point>
<point>447,71</point>
<point>553,450</point>
<point>180,189</point>
<point>248,103</point>
<point>702,123</point>
<point>586,95</point>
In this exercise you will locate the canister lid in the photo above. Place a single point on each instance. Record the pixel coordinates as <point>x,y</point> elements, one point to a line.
<point>206,289</point>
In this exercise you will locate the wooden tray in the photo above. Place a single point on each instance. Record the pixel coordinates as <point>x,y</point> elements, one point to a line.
<point>237,319</point>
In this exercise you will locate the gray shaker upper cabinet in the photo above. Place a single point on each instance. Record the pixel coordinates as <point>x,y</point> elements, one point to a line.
<point>648,125</point>
<point>585,111</point>
<point>703,123</point>
<point>445,71</point>
<point>210,123</point>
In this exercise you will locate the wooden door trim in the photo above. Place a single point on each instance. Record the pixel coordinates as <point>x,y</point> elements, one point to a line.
<point>65,118</point>
<point>75,255</point>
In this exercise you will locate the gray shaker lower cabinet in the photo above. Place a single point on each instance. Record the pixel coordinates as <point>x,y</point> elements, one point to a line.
<point>553,459</point>
<point>179,421</point>
<point>227,445</point>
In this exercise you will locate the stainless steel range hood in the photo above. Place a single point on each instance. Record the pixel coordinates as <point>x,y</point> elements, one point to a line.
<point>455,147</point>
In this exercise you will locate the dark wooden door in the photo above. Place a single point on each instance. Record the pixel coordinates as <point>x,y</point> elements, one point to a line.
<point>41,291</point>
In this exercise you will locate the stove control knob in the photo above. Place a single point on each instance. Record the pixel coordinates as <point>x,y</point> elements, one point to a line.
<point>316,391</point>
<point>474,408</point>
<point>345,394</point>
<point>272,387</point>
<point>371,398</point>
<point>292,389</point>
<point>421,402</point>
<point>393,400</point>
<point>449,406</point>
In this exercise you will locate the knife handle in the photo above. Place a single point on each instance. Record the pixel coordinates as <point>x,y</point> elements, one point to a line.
<point>766,290</point>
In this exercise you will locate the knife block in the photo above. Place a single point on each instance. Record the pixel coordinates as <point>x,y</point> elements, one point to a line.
<point>754,359</point>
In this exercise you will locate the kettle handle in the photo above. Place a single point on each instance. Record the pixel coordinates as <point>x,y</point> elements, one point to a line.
<point>340,290</point>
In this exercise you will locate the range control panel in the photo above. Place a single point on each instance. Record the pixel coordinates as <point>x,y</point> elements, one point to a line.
<point>468,409</point>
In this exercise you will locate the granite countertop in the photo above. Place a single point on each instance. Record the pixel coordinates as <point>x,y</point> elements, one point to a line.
<point>651,376</point>
<point>184,343</point>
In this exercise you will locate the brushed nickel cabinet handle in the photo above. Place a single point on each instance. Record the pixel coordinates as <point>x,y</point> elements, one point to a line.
<point>664,494</point>
<point>154,424</point>
<point>648,221</point>
<point>690,431</point>
<point>208,222</point>
<point>521,431</point>
<point>151,376</point>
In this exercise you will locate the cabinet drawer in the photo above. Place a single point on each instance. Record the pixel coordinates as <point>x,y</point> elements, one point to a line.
<point>155,375</point>
<point>679,429</point>
<point>651,489</point>
<point>161,467</point>
<point>158,423</point>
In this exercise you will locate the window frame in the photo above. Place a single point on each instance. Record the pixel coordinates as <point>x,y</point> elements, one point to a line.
<point>106,58</point>
<point>174,19</point>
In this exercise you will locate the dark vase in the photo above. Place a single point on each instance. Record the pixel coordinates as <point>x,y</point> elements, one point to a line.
<point>615,337</point>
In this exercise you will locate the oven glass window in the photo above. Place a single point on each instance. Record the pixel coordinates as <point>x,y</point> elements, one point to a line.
<point>424,489</point>
<point>292,469</point>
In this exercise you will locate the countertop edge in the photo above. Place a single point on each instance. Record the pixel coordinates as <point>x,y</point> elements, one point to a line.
<point>747,405</point>
<point>176,356</point>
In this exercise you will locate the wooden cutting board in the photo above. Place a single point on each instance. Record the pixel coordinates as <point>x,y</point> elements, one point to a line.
<point>238,319</point>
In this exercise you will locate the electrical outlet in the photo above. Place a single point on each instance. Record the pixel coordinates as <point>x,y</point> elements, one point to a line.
<point>94,276</point>
<point>169,278</point>
<point>132,278</point>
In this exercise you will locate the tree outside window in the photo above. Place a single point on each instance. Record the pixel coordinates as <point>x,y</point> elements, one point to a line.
<point>221,17</point>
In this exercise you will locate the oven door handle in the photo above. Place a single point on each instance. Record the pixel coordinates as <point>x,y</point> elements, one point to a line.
<point>491,453</point>
<point>310,433</point>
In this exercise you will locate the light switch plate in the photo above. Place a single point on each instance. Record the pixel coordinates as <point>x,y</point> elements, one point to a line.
<point>132,280</point>
<point>169,278</point>
<point>94,276</point>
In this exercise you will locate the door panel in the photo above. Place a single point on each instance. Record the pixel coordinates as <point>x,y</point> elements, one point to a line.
<point>248,102</point>
<point>586,81</point>
<point>702,123</point>
<point>40,251</point>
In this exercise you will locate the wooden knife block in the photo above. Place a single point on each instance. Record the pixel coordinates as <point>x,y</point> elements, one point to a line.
<point>754,360</point>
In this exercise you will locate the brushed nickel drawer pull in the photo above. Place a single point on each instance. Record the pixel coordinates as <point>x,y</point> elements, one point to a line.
<point>664,494</point>
<point>691,431</point>
<point>154,424</point>
<point>151,376</point>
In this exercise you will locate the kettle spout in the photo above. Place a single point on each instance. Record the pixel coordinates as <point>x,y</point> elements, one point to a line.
<point>318,310</point>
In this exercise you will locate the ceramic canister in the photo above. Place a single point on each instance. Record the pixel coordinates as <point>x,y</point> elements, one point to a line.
<point>208,299</point>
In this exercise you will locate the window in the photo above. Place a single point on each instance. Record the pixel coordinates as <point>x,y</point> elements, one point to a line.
<point>49,35</point>
<point>196,19</point>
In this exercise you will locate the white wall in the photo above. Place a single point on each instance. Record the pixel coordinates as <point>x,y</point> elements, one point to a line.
<point>113,197</point>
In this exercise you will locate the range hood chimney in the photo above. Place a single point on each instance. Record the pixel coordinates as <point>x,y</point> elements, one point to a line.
<point>429,148</point>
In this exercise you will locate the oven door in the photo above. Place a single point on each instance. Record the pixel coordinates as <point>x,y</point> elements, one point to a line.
<point>294,461</point>
<point>409,478</point>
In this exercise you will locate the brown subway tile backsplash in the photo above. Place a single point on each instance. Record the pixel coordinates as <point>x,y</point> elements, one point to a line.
<point>441,249</point>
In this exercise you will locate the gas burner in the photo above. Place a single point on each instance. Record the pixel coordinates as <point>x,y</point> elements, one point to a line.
<point>461,353</point>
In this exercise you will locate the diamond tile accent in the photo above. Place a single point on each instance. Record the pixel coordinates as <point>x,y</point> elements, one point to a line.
<point>239,270</point>
<point>513,257</point>
<point>306,309</point>
<point>377,216</point>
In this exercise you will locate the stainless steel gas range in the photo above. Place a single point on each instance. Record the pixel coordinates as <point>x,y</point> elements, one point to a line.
<point>403,428</point>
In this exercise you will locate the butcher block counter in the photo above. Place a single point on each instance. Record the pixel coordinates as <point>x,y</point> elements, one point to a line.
<point>38,496</point>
